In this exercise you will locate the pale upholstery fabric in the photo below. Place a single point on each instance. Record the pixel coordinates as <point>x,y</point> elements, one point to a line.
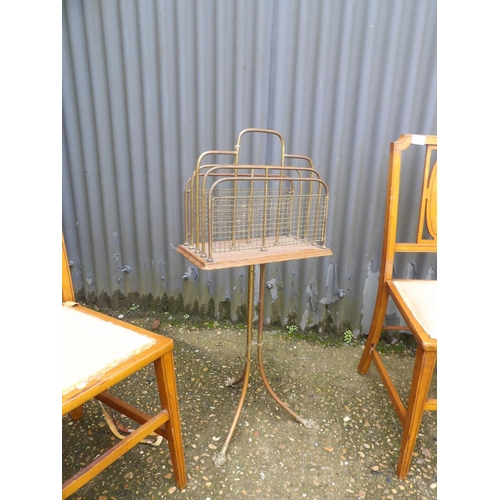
<point>421,298</point>
<point>91,345</point>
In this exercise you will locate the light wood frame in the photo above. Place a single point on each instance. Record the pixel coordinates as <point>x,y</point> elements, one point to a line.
<point>426,355</point>
<point>166,423</point>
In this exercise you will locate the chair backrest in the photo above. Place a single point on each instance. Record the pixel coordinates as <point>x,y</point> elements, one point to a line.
<point>425,239</point>
<point>68,294</point>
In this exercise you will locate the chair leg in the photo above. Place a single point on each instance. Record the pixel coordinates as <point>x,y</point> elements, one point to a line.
<point>421,381</point>
<point>76,413</point>
<point>165,376</point>
<point>375,329</point>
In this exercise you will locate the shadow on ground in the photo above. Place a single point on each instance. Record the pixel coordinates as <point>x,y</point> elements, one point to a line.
<point>350,453</point>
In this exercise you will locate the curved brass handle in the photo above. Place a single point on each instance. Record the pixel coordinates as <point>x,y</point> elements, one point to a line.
<point>263,131</point>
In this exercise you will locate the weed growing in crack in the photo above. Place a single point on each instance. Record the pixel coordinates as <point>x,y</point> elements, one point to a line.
<point>348,336</point>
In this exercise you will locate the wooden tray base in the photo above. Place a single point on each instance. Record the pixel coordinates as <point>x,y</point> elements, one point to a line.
<point>224,260</point>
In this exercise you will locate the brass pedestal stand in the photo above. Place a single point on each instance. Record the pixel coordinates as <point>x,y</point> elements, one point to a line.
<point>260,258</point>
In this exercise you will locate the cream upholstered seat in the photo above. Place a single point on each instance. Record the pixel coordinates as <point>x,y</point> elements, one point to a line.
<point>416,300</point>
<point>98,352</point>
<point>92,346</point>
<point>420,297</point>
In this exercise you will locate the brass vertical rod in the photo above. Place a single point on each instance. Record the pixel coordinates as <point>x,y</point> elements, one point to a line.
<point>314,237</point>
<point>324,222</point>
<point>197,203</point>
<point>308,210</point>
<point>201,209</point>
<point>209,228</point>
<point>250,209</point>
<point>237,147</point>
<point>264,217</point>
<point>235,193</point>
<point>187,196</point>
<point>299,209</point>
<point>220,458</point>
<point>192,213</point>
<point>280,193</point>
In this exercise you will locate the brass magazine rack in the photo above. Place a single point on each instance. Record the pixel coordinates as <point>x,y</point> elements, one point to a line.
<point>238,208</point>
<point>241,215</point>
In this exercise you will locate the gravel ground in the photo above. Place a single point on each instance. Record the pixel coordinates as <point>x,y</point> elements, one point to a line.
<point>350,453</point>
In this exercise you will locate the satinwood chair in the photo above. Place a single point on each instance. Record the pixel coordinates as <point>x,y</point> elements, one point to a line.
<point>415,299</point>
<point>98,352</point>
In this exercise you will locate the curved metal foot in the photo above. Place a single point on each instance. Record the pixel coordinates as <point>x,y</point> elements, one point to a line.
<point>306,422</point>
<point>233,381</point>
<point>219,458</point>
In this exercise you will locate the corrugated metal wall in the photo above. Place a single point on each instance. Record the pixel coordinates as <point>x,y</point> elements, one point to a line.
<point>149,85</point>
